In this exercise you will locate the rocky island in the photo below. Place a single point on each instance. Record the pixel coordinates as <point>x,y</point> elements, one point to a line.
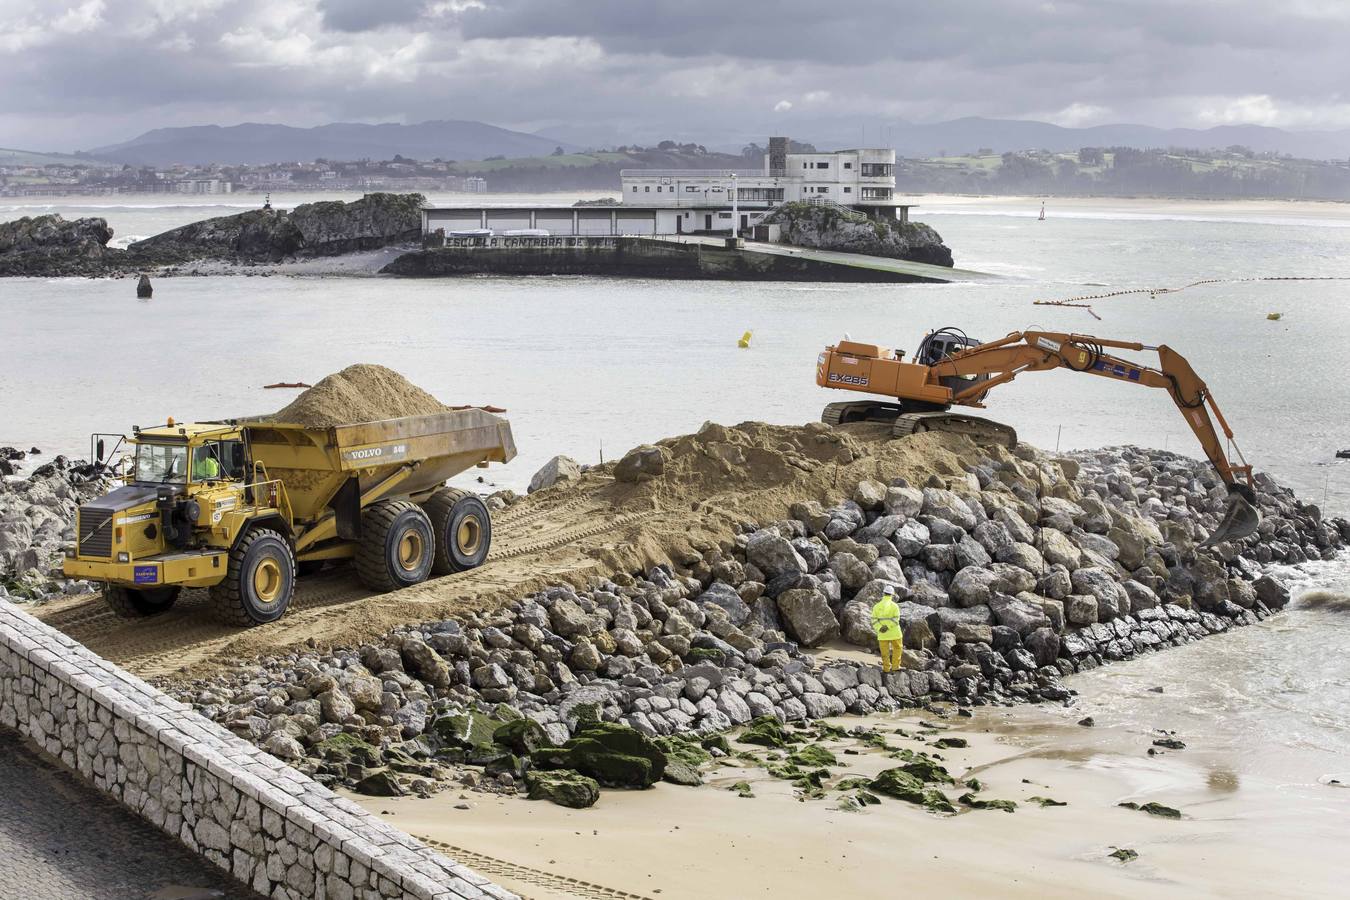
<point>52,246</point>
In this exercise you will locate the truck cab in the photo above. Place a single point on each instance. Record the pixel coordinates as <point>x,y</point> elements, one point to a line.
<point>188,491</point>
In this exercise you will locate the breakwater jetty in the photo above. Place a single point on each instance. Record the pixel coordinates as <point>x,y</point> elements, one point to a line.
<point>661,256</point>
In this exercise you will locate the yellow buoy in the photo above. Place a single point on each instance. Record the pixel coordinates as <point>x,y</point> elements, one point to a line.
<point>1274,317</point>
<point>745,340</point>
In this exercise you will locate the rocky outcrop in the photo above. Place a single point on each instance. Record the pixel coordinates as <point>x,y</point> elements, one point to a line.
<point>835,228</point>
<point>327,228</point>
<point>52,245</point>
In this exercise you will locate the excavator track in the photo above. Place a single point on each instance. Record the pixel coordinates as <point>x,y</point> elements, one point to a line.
<point>984,431</point>
<point>903,423</point>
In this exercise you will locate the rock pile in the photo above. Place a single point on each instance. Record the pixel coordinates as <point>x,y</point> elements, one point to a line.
<point>1018,572</point>
<point>833,228</point>
<point>37,518</point>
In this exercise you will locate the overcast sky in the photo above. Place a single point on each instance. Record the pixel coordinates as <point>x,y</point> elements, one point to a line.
<point>81,73</point>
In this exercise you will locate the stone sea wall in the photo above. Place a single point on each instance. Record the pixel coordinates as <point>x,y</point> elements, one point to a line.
<point>1014,574</point>
<point>271,827</point>
<point>628,257</point>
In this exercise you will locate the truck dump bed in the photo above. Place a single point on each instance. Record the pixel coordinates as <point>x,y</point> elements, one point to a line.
<point>315,462</point>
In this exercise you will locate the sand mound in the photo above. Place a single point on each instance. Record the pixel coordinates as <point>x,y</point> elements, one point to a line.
<point>359,393</point>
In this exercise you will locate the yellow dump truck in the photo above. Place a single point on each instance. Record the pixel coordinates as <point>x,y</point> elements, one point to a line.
<point>242,507</point>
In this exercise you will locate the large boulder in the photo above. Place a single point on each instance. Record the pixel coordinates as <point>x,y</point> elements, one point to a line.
<point>949,507</point>
<point>642,463</point>
<point>563,787</point>
<point>973,586</point>
<point>557,469</point>
<point>807,617</point>
<point>614,755</point>
<point>1097,582</point>
<point>773,555</point>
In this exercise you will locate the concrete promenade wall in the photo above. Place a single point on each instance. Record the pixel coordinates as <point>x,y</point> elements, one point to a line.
<point>632,257</point>
<point>271,827</point>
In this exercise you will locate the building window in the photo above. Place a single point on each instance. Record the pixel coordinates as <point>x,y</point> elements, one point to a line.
<point>635,188</point>
<point>848,190</point>
<point>647,189</point>
<point>877,170</point>
<point>848,165</point>
<point>876,193</point>
<point>822,165</point>
<point>823,190</point>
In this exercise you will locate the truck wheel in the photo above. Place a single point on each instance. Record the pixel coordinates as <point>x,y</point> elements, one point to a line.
<point>259,582</point>
<point>131,603</point>
<point>463,529</point>
<point>396,546</point>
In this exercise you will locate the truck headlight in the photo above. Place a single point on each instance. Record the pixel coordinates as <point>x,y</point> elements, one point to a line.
<point>69,552</point>
<point>124,557</point>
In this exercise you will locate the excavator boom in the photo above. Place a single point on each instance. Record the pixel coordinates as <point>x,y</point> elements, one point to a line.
<point>951,369</point>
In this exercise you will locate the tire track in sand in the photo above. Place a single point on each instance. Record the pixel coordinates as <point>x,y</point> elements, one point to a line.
<point>517,875</point>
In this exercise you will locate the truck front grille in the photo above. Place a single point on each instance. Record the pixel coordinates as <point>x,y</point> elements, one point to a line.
<point>95,531</point>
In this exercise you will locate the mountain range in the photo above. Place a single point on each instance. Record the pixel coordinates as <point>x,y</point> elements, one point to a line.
<point>253,143</point>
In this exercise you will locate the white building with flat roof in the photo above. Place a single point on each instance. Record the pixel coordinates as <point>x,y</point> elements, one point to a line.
<point>701,199</point>
<point>688,201</point>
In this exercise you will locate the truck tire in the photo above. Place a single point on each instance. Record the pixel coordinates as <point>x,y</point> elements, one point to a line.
<point>259,582</point>
<point>396,546</point>
<point>136,603</point>
<point>463,530</point>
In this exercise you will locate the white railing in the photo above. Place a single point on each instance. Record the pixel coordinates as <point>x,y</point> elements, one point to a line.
<point>851,214</point>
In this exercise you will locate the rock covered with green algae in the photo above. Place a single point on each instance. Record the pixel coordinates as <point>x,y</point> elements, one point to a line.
<point>564,787</point>
<point>614,755</point>
<point>902,785</point>
<point>976,803</point>
<point>765,731</point>
<point>521,736</point>
<point>684,757</point>
<point>1154,809</point>
<point>813,755</point>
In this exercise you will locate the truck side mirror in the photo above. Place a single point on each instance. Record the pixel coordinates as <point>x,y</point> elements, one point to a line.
<point>98,449</point>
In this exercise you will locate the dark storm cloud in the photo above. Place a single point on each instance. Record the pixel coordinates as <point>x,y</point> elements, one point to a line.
<point>366,15</point>
<point>79,73</point>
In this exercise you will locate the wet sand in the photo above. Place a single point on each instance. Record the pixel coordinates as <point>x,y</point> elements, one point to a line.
<point>1238,837</point>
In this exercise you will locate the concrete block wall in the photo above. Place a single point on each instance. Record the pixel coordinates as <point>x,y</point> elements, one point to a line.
<point>271,827</point>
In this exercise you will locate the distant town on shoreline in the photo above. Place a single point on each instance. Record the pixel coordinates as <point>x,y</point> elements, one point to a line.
<point>1235,172</point>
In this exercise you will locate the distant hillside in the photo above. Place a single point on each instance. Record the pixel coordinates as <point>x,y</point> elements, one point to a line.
<point>255,144</point>
<point>1125,171</point>
<point>597,170</point>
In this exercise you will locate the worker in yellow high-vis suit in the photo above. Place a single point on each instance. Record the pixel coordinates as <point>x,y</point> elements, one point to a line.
<point>886,624</point>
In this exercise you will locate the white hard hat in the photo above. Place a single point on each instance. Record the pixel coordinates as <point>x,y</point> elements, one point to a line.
<point>888,591</point>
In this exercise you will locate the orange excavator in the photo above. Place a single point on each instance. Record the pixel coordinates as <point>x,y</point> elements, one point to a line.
<point>950,369</point>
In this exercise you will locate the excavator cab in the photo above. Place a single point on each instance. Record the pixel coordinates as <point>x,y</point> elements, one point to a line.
<point>943,343</point>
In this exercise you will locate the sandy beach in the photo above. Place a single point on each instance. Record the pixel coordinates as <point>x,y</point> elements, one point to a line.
<point>1238,836</point>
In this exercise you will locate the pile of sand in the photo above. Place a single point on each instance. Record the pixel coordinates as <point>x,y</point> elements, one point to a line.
<point>761,469</point>
<point>359,393</point>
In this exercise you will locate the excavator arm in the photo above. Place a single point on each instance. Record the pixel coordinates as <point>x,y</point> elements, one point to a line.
<point>1038,351</point>
<point>963,377</point>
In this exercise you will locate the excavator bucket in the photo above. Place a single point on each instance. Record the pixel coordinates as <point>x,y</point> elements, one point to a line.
<point>1240,519</point>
